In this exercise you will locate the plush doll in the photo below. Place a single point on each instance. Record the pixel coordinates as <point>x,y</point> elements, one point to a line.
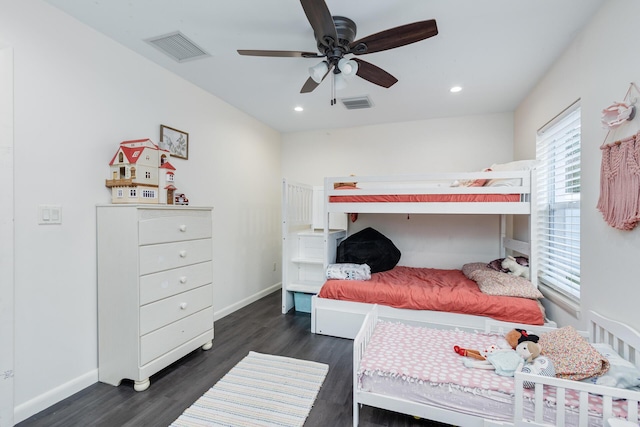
<point>534,362</point>
<point>480,356</point>
<point>504,361</point>
<point>529,350</point>
<point>516,336</point>
<point>514,268</point>
<point>519,346</point>
<point>510,342</point>
<point>475,354</point>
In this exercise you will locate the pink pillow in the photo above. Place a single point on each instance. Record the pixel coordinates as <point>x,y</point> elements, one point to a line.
<point>480,182</point>
<point>492,282</point>
<point>477,183</point>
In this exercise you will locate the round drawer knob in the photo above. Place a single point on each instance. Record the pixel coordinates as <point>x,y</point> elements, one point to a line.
<point>183,254</point>
<point>183,306</point>
<point>183,228</point>
<point>183,279</point>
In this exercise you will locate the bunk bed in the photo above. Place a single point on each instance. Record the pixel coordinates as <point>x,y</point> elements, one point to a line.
<point>497,192</point>
<point>443,391</point>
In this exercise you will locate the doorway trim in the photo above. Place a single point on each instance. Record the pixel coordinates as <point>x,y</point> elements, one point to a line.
<point>7,240</point>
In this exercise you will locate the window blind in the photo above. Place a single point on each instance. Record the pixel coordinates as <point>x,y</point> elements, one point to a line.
<point>558,203</point>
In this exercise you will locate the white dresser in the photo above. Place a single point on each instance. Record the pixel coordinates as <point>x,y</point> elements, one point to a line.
<point>155,291</point>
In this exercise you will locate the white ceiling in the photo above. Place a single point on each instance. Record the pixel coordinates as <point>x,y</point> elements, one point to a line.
<point>496,50</point>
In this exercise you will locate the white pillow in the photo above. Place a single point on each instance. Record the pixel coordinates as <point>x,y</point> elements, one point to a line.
<point>503,182</point>
<point>518,165</point>
<point>621,373</point>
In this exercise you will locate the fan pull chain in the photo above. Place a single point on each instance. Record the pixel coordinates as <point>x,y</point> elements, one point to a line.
<point>333,89</point>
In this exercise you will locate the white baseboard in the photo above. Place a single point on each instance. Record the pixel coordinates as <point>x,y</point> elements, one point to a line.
<point>33,406</point>
<point>219,314</point>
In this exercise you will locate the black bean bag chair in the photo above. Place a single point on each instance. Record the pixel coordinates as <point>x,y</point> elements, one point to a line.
<point>369,247</point>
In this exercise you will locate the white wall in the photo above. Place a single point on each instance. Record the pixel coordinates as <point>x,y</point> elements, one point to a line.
<point>597,68</point>
<point>458,144</point>
<point>77,95</point>
<point>455,144</point>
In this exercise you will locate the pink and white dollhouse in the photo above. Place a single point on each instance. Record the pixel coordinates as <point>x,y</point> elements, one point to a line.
<point>141,173</point>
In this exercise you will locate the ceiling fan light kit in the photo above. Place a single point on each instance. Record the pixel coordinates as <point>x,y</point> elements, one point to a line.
<point>335,38</point>
<point>318,71</point>
<point>348,67</point>
<point>339,81</point>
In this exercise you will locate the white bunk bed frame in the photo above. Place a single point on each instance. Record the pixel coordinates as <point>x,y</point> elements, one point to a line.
<point>625,340</point>
<point>344,318</point>
<point>297,216</point>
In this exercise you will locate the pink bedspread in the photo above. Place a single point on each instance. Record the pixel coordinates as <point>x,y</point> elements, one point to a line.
<point>413,198</point>
<point>417,353</point>
<point>433,289</point>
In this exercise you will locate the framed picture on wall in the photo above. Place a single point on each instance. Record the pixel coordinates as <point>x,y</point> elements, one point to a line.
<point>174,140</point>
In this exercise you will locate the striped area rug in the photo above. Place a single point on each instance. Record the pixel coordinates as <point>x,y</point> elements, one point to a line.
<point>261,390</point>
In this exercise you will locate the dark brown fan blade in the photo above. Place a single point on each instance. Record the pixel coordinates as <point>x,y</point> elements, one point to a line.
<point>395,37</point>
<point>311,84</point>
<point>280,53</point>
<point>374,74</point>
<point>321,20</point>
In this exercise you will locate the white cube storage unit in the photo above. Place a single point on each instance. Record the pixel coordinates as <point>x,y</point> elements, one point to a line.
<point>304,266</point>
<point>155,290</point>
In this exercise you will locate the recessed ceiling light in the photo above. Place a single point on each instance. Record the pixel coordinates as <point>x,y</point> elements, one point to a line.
<point>455,89</point>
<point>299,108</point>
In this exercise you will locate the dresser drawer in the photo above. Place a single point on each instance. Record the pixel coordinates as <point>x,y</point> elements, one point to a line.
<point>161,341</point>
<point>154,258</point>
<point>161,226</point>
<point>160,313</point>
<point>156,286</point>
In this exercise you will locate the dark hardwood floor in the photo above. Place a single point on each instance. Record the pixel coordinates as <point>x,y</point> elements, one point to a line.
<point>257,327</point>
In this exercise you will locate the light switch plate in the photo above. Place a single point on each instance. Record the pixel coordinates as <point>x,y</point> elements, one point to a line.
<point>49,214</point>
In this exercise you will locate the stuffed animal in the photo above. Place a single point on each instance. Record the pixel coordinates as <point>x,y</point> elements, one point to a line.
<point>504,361</point>
<point>481,357</point>
<point>475,354</point>
<point>514,268</point>
<point>511,341</point>
<point>529,350</point>
<point>516,336</point>
<point>534,362</point>
<point>540,365</point>
<point>519,346</point>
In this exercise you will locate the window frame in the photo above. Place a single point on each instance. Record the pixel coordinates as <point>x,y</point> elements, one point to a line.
<point>558,178</point>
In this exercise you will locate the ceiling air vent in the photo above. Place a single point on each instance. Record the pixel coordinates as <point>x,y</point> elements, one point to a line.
<point>356,103</point>
<point>178,47</point>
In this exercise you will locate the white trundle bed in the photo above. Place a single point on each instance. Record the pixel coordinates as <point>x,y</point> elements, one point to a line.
<point>548,401</point>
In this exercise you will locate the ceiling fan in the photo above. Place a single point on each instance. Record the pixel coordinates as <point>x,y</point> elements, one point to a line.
<point>335,38</point>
